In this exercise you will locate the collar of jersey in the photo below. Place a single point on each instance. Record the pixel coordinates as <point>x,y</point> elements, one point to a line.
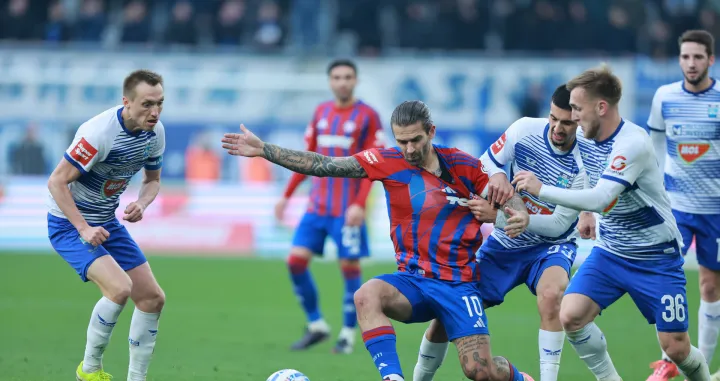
<point>122,123</point>
<point>712,86</point>
<point>611,137</point>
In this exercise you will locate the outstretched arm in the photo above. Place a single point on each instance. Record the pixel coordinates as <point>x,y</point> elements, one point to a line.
<point>313,164</point>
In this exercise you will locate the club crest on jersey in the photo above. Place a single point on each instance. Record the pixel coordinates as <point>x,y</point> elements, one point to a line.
<point>83,152</point>
<point>713,110</point>
<point>563,181</point>
<point>322,124</point>
<point>349,127</point>
<point>112,187</point>
<point>148,147</point>
<point>690,152</point>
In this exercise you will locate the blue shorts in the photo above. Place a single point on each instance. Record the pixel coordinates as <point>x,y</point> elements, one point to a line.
<point>706,230</point>
<point>502,270</point>
<point>657,287</point>
<point>66,241</point>
<point>457,305</point>
<point>352,241</point>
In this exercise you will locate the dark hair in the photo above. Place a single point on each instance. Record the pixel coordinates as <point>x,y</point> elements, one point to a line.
<point>342,62</point>
<point>137,77</point>
<point>599,83</point>
<point>701,37</point>
<point>561,97</point>
<point>411,112</point>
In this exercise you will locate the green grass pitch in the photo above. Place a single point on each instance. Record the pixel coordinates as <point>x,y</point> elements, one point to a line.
<point>234,319</point>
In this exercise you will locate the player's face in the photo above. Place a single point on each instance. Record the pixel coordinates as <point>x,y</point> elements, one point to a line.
<point>695,62</point>
<point>585,112</point>
<point>145,106</point>
<point>562,127</point>
<point>342,82</point>
<point>415,143</point>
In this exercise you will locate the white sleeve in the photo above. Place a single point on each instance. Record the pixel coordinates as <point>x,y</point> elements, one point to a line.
<point>489,165</point>
<point>155,159</point>
<point>562,218</point>
<point>655,120</point>
<point>503,150</point>
<point>659,142</point>
<point>89,146</point>
<point>592,200</point>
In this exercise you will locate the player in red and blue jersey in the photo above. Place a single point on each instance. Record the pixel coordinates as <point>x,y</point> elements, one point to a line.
<point>341,127</point>
<point>433,231</point>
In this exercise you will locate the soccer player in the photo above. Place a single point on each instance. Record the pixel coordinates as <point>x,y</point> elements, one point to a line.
<point>638,248</point>
<point>685,131</point>
<point>543,255</point>
<point>434,234</point>
<point>341,127</point>
<point>85,187</point>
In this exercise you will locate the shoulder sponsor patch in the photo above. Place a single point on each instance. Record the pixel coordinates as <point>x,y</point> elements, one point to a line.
<point>373,156</point>
<point>83,152</point>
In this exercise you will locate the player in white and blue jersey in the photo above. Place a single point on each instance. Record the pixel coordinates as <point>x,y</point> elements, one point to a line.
<point>108,150</point>
<point>684,125</point>
<point>638,248</point>
<point>542,256</point>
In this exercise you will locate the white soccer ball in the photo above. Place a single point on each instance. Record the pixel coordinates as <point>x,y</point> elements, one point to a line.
<point>288,375</point>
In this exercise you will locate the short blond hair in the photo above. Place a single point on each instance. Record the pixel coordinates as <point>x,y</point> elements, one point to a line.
<point>599,83</point>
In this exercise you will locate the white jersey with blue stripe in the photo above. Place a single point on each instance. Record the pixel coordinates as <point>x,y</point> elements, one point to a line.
<point>691,123</point>
<point>639,223</point>
<point>526,147</point>
<point>108,155</point>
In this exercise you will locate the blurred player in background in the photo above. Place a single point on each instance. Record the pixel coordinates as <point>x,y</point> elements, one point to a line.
<point>684,125</point>
<point>543,255</point>
<point>434,234</point>
<point>85,188</point>
<point>341,127</point>
<point>638,249</point>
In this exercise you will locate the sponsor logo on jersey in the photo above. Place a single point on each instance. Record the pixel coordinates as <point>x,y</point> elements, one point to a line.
<point>112,187</point>
<point>535,208</point>
<point>83,152</point>
<point>349,127</point>
<point>690,152</point>
<point>455,200</point>
<point>373,156</point>
<point>499,144</point>
<point>618,163</point>
<point>563,181</point>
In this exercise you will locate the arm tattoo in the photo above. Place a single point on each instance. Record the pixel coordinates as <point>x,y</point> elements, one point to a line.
<point>314,164</point>
<point>516,203</point>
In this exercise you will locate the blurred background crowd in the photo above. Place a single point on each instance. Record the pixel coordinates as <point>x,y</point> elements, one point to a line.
<point>368,27</point>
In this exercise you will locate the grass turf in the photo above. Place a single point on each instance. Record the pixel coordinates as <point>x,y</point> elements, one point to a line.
<point>234,319</point>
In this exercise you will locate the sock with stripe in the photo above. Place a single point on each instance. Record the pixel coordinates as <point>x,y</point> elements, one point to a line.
<point>381,343</point>
<point>102,321</point>
<point>589,343</point>
<point>304,287</point>
<point>708,328</point>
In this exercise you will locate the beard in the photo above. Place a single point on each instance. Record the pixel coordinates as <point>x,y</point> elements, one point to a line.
<point>699,78</point>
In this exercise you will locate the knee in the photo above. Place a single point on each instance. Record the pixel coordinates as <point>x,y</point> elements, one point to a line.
<point>571,318</point>
<point>549,300</point>
<point>709,286</point>
<point>152,302</point>
<point>298,262</point>
<point>675,345</point>
<point>436,333</point>
<point>366,298</point>
<point>119,290</point>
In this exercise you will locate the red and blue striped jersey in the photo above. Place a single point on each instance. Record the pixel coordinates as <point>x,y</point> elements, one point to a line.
<point>434,233</point>
<point>336,131</point>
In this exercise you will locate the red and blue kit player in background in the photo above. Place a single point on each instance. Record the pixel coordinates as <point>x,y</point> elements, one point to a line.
<point>434,233</point>
<point>341,127</point>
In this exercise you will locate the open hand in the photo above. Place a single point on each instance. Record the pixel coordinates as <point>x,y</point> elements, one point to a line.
<point>499,189</point>
<point>483,210</point>
<point>245,144</point>
<point>516,223</point>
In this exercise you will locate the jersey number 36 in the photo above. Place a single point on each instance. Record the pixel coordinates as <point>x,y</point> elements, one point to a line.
<point>674,308</point>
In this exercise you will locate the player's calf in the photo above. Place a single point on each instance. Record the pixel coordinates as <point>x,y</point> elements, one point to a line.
<point>376,302</point>
<point>689,360</point>
<point>433,349</point>
<point>149,301</point>
<point>479,365</point>
<point>550,290</point>
<point>352,275</point>
<point>709,312</point>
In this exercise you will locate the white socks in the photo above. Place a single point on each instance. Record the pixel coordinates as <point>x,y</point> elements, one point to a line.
<point>143,333</point>
<point>708,328</point>
<point>695,368</point>
<point>430,358</point>
<point>102,321</point>
<point>551,344</point>
<point>589,343</point>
